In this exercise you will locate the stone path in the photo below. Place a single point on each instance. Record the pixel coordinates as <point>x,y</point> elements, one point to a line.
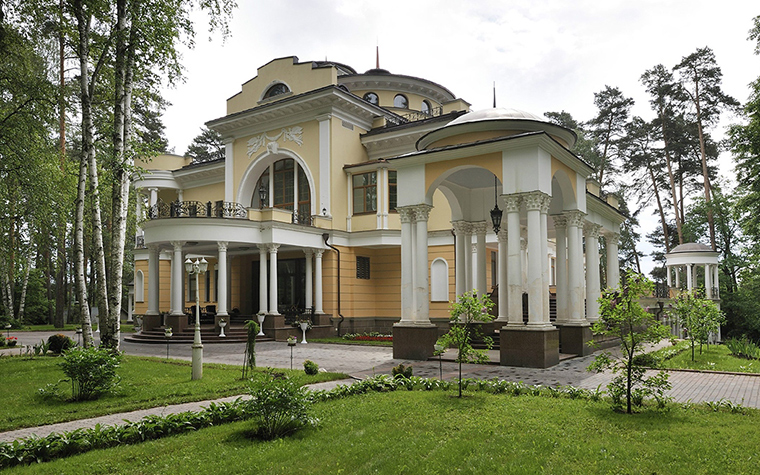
<point>362,361</point>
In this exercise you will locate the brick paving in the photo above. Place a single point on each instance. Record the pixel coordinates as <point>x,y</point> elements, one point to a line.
<point>362,361</point>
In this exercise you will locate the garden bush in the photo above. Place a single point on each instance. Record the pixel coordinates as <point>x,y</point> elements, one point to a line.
<point>310,367</point>
<point>92,371</point>
<point>59,343</point>
<point>402,371</point>
<point>743,347</point>
<point>280,406</point>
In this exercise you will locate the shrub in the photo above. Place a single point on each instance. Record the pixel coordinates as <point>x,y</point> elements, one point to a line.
<point>59,343</point>
<point>401,371</point>
<point>310,367</point>
<point>280,406</point>
<point>743,347</point>
<point>2,340</point>
<point>92,371</point>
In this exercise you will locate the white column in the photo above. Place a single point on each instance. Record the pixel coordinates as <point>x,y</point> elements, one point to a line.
<point>574,266</point>
<point>560,231</point>
<point>221,309</point>
<point>708,284</point>
<point>524,258</point>
<point>177,279</point>
<point>545,256</point>
<point>668,272</point>
<point>180,195</point>
<point>382,201</point>
<point>689,277</point>
<point>273,279</point>
<point>460,230</point>
<point>514,264</point>
<point>153,279</point>
<point>480,230</point>
<point>309,278</point>
<point>716,284</point>
<point>318,281</point>
<point>613,263</point>
<point>422,273</point>
<point>229,170</point>
<point>502,312</point>
<point>593,290</point>
<point>406,214</point>
<point>536,254</point>
<point>153,196</point>
<point>677,271</point>
<point>469,284</point>
<point>263,278</point>
<point>324,164</point>
<point>138,210</point>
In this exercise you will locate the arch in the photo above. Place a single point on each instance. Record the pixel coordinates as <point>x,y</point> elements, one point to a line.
<point>139,286</point>
<point>563,193</point>
<point>439,280</point>
<point>274,89</point>
<point>401,101</point>
<point>372,98</point>
<point>247,186</point>
<point>426,108</point>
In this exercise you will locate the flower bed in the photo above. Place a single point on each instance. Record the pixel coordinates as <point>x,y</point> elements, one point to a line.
<point>373,336</point>
<point>11,341</point>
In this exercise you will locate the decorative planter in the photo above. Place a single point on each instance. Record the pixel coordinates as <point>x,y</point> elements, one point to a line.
<point>222,324</point>
<point>260,317</point>
<point>304,326</point>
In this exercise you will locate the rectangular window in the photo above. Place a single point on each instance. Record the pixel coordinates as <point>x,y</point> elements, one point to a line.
<point>362,267</point>
<point>392,194</point>
<point>365,192</point>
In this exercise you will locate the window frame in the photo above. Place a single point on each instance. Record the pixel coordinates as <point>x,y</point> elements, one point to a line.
<point>366,98</point>
<point>406,100</point>
<point>366,187</point>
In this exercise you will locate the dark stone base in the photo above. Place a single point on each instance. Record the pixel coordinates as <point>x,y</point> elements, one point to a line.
<point>414,342</point>
<point>529,348</point>
<point>177,322</point>
<point>149,322</point>
<point>574,340</point>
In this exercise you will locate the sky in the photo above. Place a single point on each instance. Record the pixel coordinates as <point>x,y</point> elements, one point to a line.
<point>543,55</point>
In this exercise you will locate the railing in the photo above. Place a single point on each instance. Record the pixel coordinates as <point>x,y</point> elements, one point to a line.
<point>301,218</point>
<point>661,290</point>
<point>413,116</point>
<point>197,209</point>
<point>140,241</point>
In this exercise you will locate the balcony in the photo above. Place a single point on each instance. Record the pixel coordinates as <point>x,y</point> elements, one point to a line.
<point>198,209</point>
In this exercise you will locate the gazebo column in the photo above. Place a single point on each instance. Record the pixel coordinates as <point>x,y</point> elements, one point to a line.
<point>221,309</point>
<point>708,281</point>
<point>468,274</point>
<point>318,279</point>
<point>414,336</point>
<point>263,290</point>
<point>176,319</point>
<point>480,230</point>
<point>524,259</point>
<point>677,271</point>
<point>503,310</point>
<point>613,262</point>
<point>309,279</point>
<point>575,332</point>
<point>560,229</point>
<point>537,343</point>
<point>460,266</point>
<point>689,277</point>
<point>544,239</point>
<point>514,262</point>
<point>716,283</point>
<point>593,285</point>
<point>667,273</point>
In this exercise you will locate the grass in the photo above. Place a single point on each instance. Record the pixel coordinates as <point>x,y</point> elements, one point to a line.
<point>433,432</point>
<point>340,341</point>
<point>145,382</point>
<point>714,358</point>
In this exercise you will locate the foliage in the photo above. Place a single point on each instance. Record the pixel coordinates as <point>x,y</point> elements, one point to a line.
<point>367,336</point>
<point>743,347</point>
<point>464,313</point>
<point>92,371</point>
<point>311,368</point>
<point>621,316</point>
<point>402,371</point>
<point>280,407</point>
<point>699,317</point>
<point>206,146</point>
<point>59,343</point>
<point>249,360</point>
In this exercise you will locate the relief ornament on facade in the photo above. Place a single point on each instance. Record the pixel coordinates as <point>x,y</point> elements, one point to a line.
<point>292,134</point>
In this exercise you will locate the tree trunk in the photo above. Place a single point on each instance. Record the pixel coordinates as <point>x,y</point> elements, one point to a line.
<point>663,221</point>
<point>706,180</point>
<point>24,285</point>
<point>671,177</point>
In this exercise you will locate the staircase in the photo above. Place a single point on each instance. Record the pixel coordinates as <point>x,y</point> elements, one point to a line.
<point>236,333</point>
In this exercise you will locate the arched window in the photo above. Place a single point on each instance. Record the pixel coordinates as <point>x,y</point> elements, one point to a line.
<point>425,108</point>
<point>289,186</point>
<point>372,98</point>
<point>276,90</point>
<point>400,101</point>
<point>139,286</point>
<point>439,280</point>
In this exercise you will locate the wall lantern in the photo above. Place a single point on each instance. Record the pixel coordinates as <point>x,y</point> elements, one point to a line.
<point>263,196</point>
<point>495,212</point>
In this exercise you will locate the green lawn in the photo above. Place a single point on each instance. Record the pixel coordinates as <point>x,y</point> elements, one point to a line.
<point>145,382</point>
<point>340,341</point>
<point>433,432</point>
<point>713,357</point>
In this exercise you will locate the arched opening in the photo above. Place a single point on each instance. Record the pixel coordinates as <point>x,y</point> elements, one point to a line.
<point>139,286</point>
<point>439,280</point>
<point>285,185</point>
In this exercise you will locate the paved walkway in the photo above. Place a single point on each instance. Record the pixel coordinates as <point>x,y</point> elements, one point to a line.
<point>362,361</point>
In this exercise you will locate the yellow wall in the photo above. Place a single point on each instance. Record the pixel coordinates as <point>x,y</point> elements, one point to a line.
<point>299,77</point>
<point>206,193</point>
<point>471,137</point>
<point>386,99</point>
<point>490,161</point>
<point>165,161</point>
<point>164,271</point>
<point>440,215</point>
<point>558,165</point>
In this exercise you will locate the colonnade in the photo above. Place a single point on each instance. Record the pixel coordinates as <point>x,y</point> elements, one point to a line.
<point>711,273</point>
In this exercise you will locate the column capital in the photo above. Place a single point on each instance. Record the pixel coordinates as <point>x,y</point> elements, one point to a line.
<point>273,248</point>
<point>461,227</point>
<point>502,234</point>
<point>479,228</point>
<point>406,213</point>
<point>177,245</point>
<point>537,201</point>
<point>422,212</point>
<point>154,248</point>
<point>308,253</point>
<point>560,220</point>
<point>512,203</point>
<point>592,230</point>
<point>575,218</point>
<point>262,247</point>
<point>318,253</point>
<point>610,236</point>
<point>222,246</point>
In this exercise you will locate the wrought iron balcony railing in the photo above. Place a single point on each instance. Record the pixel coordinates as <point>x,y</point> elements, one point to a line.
<point>197,209</point>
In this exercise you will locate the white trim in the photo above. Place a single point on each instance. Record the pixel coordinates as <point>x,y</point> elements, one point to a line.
<point>324,164</point>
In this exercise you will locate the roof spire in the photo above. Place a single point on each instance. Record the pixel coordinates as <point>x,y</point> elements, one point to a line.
<point>377,57</point>
<point>494,94</point>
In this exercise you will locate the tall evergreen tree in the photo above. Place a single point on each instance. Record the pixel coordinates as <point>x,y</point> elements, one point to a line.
<point>608,129</point>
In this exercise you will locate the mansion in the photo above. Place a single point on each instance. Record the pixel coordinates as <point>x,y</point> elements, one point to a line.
<point>370,201</point>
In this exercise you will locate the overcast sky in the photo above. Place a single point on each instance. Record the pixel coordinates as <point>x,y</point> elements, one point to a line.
<point>544,55</point>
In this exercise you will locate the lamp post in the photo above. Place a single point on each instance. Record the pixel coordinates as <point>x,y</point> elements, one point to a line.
<point>197,268</point>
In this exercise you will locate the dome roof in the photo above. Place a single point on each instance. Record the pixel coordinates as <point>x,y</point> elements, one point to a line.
<point>691,247</point>
<point>497,121</point>
<point>498,113</point>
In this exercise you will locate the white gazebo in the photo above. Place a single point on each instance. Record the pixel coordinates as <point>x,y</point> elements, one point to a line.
<point>686,259</point>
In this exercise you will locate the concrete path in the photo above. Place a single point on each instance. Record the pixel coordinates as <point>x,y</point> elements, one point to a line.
<point>363,361</point>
